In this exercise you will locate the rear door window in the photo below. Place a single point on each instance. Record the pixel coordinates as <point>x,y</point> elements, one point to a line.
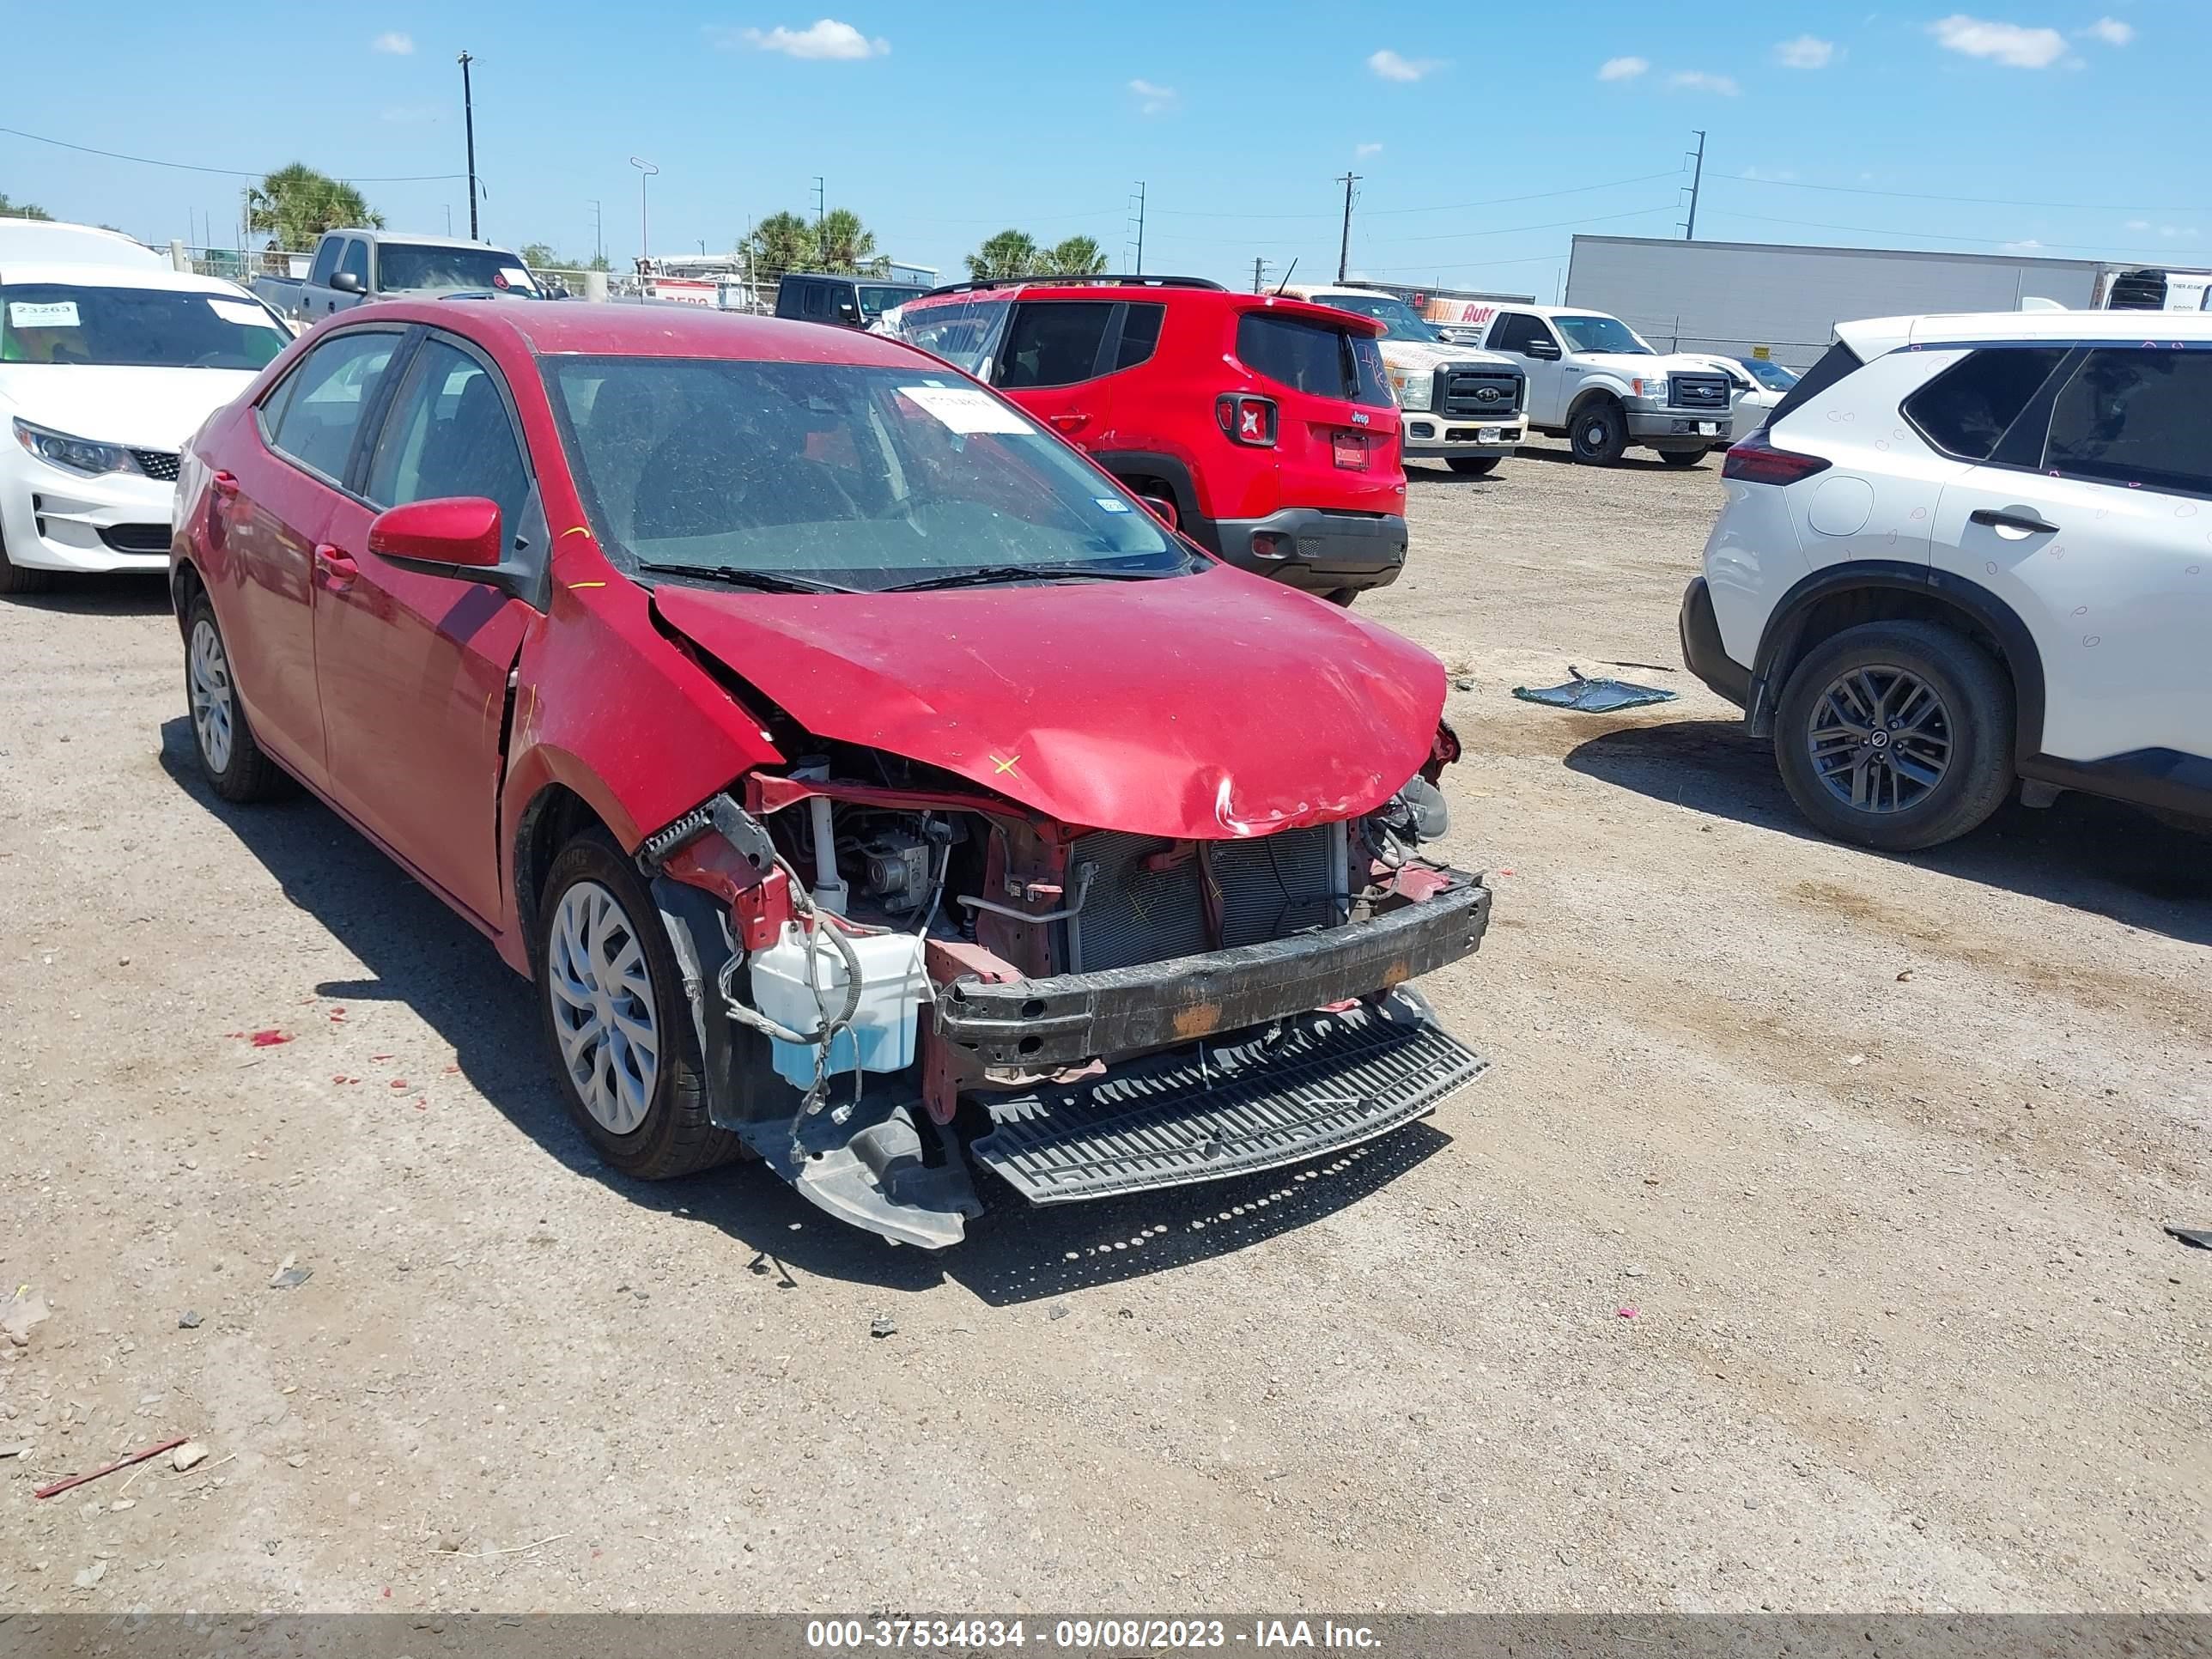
<point>1140,335</point>
<point>1966,410</point>
<point>1053,342</point>
<point>319,410</point>
<point>1313,357</point>
<point>2136,417</point>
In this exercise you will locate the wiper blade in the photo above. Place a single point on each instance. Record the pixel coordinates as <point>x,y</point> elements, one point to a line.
<point>738,575</point>
<point>987,575</point>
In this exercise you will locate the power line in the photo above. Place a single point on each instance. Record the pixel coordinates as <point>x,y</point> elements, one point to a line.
<point>1972,201</point>
<point>1508,230</point>
<point>2013,242</point>
<point>1439,207</point>
<point>232,173</point>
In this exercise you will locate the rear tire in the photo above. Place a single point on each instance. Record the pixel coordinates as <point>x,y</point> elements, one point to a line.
<point>16,578</point>
<point>1896,735</point>
<point>1342,596</point>
<point>1683,457</point>
<point>1598,432</point>
<point>1472,466</point>
<point>233,761</point>
<point>626,1056</point>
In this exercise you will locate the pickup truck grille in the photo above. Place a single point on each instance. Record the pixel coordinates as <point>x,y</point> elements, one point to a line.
<point>1698,391</point>
<point>1465,392</point>
<point>158,463</point>
<point>1271,886</point>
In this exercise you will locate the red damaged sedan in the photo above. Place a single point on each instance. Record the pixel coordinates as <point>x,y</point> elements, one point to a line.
<point>868,782</point>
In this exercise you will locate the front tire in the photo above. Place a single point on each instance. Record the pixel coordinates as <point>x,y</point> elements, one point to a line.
<point>1600,433</point>
<point>18,579</point>
<point>231,760</point>
<point>1472,466</point>
<point>1896,735</point>
<point>626,1056</point>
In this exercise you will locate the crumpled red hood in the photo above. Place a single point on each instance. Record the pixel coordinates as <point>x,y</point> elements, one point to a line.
<point>1201,707</point>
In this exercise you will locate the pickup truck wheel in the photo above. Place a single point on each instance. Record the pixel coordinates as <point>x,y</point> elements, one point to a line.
<point>1683,457</point>
<point>15,579</point>
<point>626,1056</point>
<point>1472,466</point>
<point>1600,433</point>
<point>1896,735</point>
<point>221,736</point>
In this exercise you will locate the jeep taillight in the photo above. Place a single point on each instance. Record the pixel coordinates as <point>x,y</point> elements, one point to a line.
<point>1755,460</point>
<point>1246,419</point>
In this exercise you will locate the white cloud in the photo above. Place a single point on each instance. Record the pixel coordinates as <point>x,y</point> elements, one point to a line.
<point>1366,150</point>
<point>2031,246</point>
<point>826,40</point>
<point>1805,52</point>
<point>2172,233</point>
<point>1776,175</point>
<point>2111,31</point>
<point>2008,44</point>
<point>1699,80</point>
<point>392,40</point>
<point>1391,66</point>
<point>1153,100</point>
<point>2138,224</point>
<point>1622,69</point>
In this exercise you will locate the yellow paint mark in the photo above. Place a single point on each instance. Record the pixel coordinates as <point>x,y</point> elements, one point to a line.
<point>1396,974</point>
<point>1198,1020</point>
<point>573,586</point>
<point>574,530</point>
<point>1006,765</point>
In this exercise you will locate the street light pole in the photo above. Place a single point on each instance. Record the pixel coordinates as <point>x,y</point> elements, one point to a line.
<point>469,122</point>
<point>644,171</point>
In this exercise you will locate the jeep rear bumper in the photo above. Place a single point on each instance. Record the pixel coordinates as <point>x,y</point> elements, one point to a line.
<point>1317,550</point>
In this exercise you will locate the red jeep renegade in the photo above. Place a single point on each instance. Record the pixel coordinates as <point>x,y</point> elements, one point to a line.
<point>1261,428</point>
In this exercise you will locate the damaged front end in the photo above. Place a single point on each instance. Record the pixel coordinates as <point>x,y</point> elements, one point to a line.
<point>902,977</point>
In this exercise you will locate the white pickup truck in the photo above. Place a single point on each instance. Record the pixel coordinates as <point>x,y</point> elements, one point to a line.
<point>1456,403</point>
<point>1596,382</point>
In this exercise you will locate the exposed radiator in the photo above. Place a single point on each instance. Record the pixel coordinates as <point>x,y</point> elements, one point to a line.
<point>1271,886</point>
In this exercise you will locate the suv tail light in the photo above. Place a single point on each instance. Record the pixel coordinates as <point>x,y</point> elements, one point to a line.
<point>1246,420</point>
<point>1755,460</point>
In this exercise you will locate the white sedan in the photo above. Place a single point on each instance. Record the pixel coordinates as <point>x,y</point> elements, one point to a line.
<point>104,372</point>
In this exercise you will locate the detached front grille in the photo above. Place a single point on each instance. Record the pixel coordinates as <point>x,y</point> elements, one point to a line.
<point>1466,392</point>
<point>161,463</point>
<point>137,537</point>
<point>1698,391</point>
<point>1271,886</point>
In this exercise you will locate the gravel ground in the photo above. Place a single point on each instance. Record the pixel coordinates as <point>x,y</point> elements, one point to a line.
<point>1803,1250</point>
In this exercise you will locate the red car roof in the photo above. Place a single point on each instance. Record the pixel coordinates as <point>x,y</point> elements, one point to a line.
<point>1351,321</point>
<point>614,328</point>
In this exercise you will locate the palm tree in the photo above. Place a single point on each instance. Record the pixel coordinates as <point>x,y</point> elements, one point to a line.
<point>296,204</point>
<point>1009,253</point>
<point>843,243</point>
<point>781,242</point>
<point>1078,256</point>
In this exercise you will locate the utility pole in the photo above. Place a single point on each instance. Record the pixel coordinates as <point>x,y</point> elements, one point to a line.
<point>1690,230</point>
<point>1259,274</point>
<point>644,171</point>
<point>599,234</point>
<point>818,216</point>
<point>469,123</point>
<point>1344,249</point>
<point>1139,268</point>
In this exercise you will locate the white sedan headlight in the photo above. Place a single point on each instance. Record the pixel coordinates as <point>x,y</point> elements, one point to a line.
<point>73,454</point>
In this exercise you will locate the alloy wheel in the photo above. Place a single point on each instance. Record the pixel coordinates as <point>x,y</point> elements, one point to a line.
<point>1880,739</point>
<point>213,716</point>
<point>604,1017</point>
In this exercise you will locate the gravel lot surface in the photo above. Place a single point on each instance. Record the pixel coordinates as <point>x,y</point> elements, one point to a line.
<point>1803,1250</point>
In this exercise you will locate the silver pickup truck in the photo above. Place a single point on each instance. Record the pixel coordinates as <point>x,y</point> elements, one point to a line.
<point>352,267</point>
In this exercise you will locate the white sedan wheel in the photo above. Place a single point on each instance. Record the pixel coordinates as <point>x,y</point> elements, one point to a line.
<point>603,1017</point>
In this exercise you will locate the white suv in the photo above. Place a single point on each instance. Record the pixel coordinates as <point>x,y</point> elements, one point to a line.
<point>1965,550</point>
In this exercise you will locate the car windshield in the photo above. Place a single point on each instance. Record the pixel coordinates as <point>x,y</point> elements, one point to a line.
<point>1772,376</point>
<point>135,327</point>
<point>1601,334</point>
<point>876,301</point>
<point>1398,319</point>
<point>959,330</point>
<point>863,477</point>
<point>414,267</point>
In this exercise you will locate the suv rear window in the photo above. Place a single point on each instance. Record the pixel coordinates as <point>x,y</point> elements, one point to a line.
<point>1313,357</point>
<point>1838,360</point>
<point>1966,411</point>
<point>2132,417</point>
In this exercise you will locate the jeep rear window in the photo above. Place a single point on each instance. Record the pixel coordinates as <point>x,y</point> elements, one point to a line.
<point>1838,360</point>
<point>1313,357</point>
<point>1968,408</point>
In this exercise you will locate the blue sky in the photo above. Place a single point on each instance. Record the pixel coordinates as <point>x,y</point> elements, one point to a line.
<point>1825,124</point>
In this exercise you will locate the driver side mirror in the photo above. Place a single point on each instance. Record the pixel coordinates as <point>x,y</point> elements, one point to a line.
<point>1543,350</point>
<point>345,282</point>
<point>459,538</point>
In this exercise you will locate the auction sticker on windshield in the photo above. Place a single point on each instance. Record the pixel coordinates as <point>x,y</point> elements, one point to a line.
<point>965,410</point>
<point>54,313</point>
<point>242,313</point>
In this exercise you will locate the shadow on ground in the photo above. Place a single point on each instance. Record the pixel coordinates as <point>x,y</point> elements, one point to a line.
<point>133,595</point>
<point>420,953</point>
<point>2095,856</point>
<point>1560,455</point>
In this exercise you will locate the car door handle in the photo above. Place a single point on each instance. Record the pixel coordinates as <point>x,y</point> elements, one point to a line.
<point>1070,422</point>
<point>225,484</point>
<point>2026,524</point>
<point>336,569</point>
